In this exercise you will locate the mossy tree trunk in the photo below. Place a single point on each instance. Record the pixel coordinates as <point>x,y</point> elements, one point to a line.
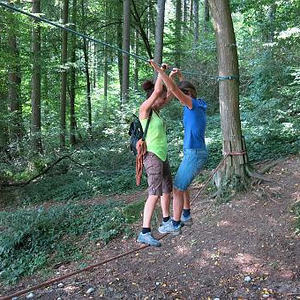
<point>233,175</point>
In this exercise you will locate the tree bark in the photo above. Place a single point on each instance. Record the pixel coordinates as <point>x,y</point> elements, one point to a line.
<point>125,47</point>
<point>120,58</point>
<point>63,91</point>
<point>14,82</point>
<point>196,22</point>
<point>105,75</point>
<point>136,62</point>
<point>178,33</point>
<point>36,81</point>
<point>87,76</point>
<point>233,173</point>
<point>185,11</point>
<point>191,14</point>
<point>73,77</point>
<point>159,30</point>
<point>206,15</point>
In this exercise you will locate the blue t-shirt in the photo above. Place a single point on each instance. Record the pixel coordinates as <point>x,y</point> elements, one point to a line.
<point>194,122</point>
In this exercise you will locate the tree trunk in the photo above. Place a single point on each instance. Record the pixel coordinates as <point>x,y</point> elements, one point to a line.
<point>272,14</point>
<point>125,47</point>
<point>73,77</point>
<point>14,82</point>
<point>36,81</point>
<point>88,86</point>
<point>136,62</point>
<point>233,174</point>
<point>87,76</point>
<point>105,75</point>
<point>178,34</point>
<point>206,15</point>
<point>95,65</point>
<point>159,30</point>
<point>3,122</point>
<point>196,22</point>
<point>143,33</point>
<point>191,14</point>
<point>120,60</point>
<point>185,12</point>
<point>63,91</point>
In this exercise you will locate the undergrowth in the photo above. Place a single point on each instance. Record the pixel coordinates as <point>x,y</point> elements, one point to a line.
<point>39,238</point>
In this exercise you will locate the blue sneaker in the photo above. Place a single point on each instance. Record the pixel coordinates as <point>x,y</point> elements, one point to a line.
<point>187,221</point>
<point>168,227</point>
<point>147,238</point>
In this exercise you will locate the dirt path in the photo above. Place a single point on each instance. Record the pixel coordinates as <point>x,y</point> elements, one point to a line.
<point>245,249</point>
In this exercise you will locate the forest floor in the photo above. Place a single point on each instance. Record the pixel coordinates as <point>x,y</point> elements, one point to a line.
<point>244,249</point>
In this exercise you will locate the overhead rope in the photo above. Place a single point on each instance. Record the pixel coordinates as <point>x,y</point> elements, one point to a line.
<point>84,36</point>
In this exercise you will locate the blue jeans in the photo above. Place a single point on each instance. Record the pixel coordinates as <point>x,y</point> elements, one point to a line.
<point>192,163</point>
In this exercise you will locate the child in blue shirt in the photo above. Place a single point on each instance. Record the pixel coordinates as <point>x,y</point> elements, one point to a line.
<point>194,148</point>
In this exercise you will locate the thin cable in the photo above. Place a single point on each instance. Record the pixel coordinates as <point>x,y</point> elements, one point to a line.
<point>84,36</point>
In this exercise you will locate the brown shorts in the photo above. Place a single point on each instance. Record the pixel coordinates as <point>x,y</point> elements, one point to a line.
<point>158,175</point>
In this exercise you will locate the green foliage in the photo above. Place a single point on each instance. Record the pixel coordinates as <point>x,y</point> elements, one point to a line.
<point>38,238</point>
<point>296,210</point>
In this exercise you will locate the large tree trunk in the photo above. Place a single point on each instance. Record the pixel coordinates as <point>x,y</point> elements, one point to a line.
<point>126,47</point>
<point>178,33</point>
<point>14,82</point>
<point>63,89</point>
<point>73,77</point>
<point>159,30</point>
<point>36,81</point>
<point>233,174</point>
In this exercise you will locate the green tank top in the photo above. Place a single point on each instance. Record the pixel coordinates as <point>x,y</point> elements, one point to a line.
<point>156,138</point>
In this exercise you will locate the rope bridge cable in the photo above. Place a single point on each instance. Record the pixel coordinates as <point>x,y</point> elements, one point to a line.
<point>84,36</point>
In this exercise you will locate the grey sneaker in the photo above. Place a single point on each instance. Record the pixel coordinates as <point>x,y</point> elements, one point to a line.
<point>187,221</point>
<point>147,238</point>
<point>168,227</point>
